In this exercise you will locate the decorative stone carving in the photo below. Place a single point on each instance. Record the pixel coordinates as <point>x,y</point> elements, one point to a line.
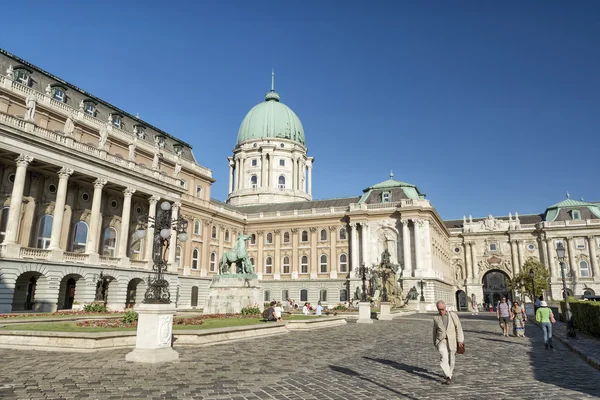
<point>48,90</point>
<point>65,172</point>
<point>81,105</point>
<point>494,263</point>
<point>30,103</point>
<point>23,160</point>
<point>132,146</point>
<point>165,325</point>
<point>177,170</point>
<point>69,125</point>
<point>10,73</point>
<point>333,228</point>
<point>313,229</point>
<point>99,183</point>
<point>490,223</point>
<point>294,230</point>
<point>156,160</point>
<point>103,137</point>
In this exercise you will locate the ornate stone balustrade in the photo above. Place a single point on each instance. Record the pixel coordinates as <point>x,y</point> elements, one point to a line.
<point>77,257</point>
<point>109,261</point>
<point>139,264</point>
<point>38,254</point>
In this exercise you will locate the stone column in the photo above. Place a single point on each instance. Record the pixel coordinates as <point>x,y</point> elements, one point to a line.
<point>150,230</point>
<point>260,263</point>
<point>243,182</point>
<point>417,224</point>
<point>294,177</point>
<point>125,217</point>
<point>238,175</point>
<point>592,246</point>
<point>515,256</point>
<point>173,240</point>
<point>231,176</point>
<point>314,256</point>
<point>406,251</point>
<point>364,237</point>
<point>547,255</point>
<point>295,257</point>
<point>468,267</point>
<point>309,179</point>
<point>221,249</point>
<point>354,251</point>
<point>205,256</point>
<point>92,243</point>
<point>521,256</point>
<point>572,267</point>
<point>473,261</point>
<point>277,260</point>
<point>263,170</point>
<point>270,180</point>
<point>59,208</point>
<point>16,199</point>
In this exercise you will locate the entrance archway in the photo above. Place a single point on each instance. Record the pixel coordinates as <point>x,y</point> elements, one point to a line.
<point>133,294</point>
<point>495,285</point>
<point>67,293</point>
<point>461,301</point>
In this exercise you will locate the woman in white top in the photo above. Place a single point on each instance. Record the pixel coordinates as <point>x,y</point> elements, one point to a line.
<point>278,310</point>
<point>306,309</point>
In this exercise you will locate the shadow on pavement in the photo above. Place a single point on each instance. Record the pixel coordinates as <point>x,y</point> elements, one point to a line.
<point>422,372</point>
<point>354,374</point>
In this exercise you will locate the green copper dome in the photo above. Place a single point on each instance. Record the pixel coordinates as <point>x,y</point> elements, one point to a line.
<point>271,119</point>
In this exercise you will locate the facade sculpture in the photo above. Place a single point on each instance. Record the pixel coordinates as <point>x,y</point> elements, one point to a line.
<point>69,125</point>
<point>131,147</point>
<point>103,137</point>
<point>31,102</point>
<point>238,256</point>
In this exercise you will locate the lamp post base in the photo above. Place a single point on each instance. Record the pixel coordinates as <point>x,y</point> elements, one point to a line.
<point>385,314</point>
<point>364,313</point>
<point>154,334</point>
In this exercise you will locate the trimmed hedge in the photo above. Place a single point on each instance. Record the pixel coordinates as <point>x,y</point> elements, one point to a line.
<point>586,316</point>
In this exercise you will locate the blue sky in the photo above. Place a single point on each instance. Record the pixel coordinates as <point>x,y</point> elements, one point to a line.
<point>488,107</point>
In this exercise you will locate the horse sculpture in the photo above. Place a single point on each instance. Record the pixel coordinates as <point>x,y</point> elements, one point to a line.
<point>238,256</point>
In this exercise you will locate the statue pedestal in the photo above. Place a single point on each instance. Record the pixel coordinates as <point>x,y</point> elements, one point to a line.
<point>364,313</point>
<point>385,314</point>
<point>230,293</point>
<point>154,334</point>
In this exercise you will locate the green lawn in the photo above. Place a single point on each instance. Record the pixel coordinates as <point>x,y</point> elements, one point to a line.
<point>26,317</point>
<point>208,324</point>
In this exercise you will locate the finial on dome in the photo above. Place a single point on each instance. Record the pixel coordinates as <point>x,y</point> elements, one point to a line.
<point>272,95</point>
<point>391,174</point>
<point>568,195</point>
<point>582,198</point>
<point>273,80</point>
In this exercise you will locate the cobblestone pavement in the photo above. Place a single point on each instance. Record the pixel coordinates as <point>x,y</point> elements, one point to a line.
<point>384,360</point>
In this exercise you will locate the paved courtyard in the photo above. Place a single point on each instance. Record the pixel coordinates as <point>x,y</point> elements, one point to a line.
<point>384,360</point>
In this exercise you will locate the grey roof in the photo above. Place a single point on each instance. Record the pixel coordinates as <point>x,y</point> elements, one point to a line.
<point>525,220</point>
<point>297,205</point>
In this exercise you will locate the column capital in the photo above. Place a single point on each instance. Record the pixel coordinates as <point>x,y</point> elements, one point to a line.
<point>569,238</point>
<point>128,192</point>
<point>364,224</point>
<point>259,233</point>
<point>153,199</point>
<point>404,221</point>
<point>590,237</point>
<point>313,229</point>
<point>23,160</point>
<point>277,231</point>
<point>99,183</point>
<point>333,228</point>
<point>176,205</point>
<point>418,221</point>
<point>65,173</point>
<point>294,230</point>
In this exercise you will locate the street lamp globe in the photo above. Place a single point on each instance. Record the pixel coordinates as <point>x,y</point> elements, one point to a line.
<point>140,233</point>
<point>165,233</point>
<point>531,273</point>
<point>165,206</point>
<point>560,251</point>
<point>182,237</point>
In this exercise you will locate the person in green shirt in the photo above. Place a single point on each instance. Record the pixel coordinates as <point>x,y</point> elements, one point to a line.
<point>545,317</point>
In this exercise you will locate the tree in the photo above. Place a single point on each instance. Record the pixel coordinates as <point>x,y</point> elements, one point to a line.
<point>540,276</point>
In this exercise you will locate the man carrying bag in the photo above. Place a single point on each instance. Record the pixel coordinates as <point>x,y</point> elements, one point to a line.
<point>448,338</point>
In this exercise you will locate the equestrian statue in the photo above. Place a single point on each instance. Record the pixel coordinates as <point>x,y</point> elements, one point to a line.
<point>238,256</point>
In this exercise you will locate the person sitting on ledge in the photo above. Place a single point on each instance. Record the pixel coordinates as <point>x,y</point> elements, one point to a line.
<point>270,313</point>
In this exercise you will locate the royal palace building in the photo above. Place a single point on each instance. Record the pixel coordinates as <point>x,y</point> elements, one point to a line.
<point>77,174</point>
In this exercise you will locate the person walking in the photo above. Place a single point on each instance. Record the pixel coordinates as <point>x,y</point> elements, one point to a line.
<point>545,317</point>
<point>519,318</point>
<point>503,315</point>
<point>474,306</point>
<point>447,336</point>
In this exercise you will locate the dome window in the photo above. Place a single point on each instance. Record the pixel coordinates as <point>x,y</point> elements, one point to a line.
<point>23,75</point>
<point>253,181</point>
<point>575,214</point>
<point>493,247</point>
<point>254,162</point>
<point>282,162</point>
<point>281,182</point>
<point>386,197</point>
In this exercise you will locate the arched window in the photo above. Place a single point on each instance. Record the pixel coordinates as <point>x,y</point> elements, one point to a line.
<point>343,235</point>
<point>323,295</point>
<point>227,236</point>
<point>44,232</point>
<point>109,245</point>
<point>3,223</point>
<point>323,264</point>
<point>304,265</point>
<point>304,295</point>
<point>281,182</point>
<point>252,261</point>
<point>268,265</point>
<point>286,265</point>
<point>194,302</point>
<point>253,239</point>
<point>343,295</point>
<point>195,258</point>
<point>267,295</point>
<point>323,234</point>
<point>199,191</point>
<point>589,292</point>
<point>285,294</point>
<point>253,181</point>
<point>269,238</point>
<point>197,227</point>
<point>135,247</point>
<point>343,263</point>
<point>214,232</point>
<point>584,269</point>
<point>213,261</point>
<point>304,237</point>
<point>178,256</point>
<point>286,237</point>
<point>80,237</point>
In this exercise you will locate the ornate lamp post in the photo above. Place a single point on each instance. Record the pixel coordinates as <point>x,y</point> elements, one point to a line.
<point>560,252</point>
<point>363,271</point>
<point>364,307</point>
<point>422,285</point>
<point>532,276</point>
<point>158,288</point>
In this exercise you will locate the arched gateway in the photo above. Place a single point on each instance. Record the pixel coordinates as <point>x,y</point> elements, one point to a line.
<point>495,285</point>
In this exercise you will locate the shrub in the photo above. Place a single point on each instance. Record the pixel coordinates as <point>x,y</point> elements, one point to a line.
<point>586,316</point>
<point>250,311</point>
<point>129,317</point>
<point>340,307</point>
<point>95,307</point>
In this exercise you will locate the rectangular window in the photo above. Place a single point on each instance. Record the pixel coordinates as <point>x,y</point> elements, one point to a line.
<point>386,197</point>
<point>493,247</point>
<point>116,121</point>
<point>199,191</point>
<point>282,163</point>
<point>254,162</point>
<point>580,243</point>
<point>575,214</point>
<point>90,109</point>
<point>22,77</point>
<point>59,95</point>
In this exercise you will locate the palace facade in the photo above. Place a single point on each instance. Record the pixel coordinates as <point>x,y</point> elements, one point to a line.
<point>77,174</point>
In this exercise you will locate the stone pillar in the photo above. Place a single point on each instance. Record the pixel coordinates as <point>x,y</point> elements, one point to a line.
<point>125,217</point>
<point>406,251</point>
<point>205,256</point>
<point>277,260</point>
<point>515,256</point>
<point>173,240</point>
<point>468,268</point>
<point>263,170</point>
<point>592,246</point>
<point>473,261</point>
<point>547,257</point>
<point>364,235</point>
<point>294,177</point>
<point>521,256</point>
<point>270,180</point>
<point>154,334</point>
<point>333,258</point>
<point>238,175</point>
<point>59,208</point>
<point>572,267</point>
<point>243,182</point>
<point>309,179</point>
<point>150,230</point>
<point>260,263</point>
<point>16,199</point>
<point>92,243</point>
<point>221,241</point>
<point>230,176</point>
<point>314,256</point>
<point>417,224</point>
<point>354,251</point>
<point>295,258</point>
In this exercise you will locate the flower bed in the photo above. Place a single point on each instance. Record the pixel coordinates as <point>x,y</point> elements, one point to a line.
<point>55,314</point>
<point>182,321</point>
